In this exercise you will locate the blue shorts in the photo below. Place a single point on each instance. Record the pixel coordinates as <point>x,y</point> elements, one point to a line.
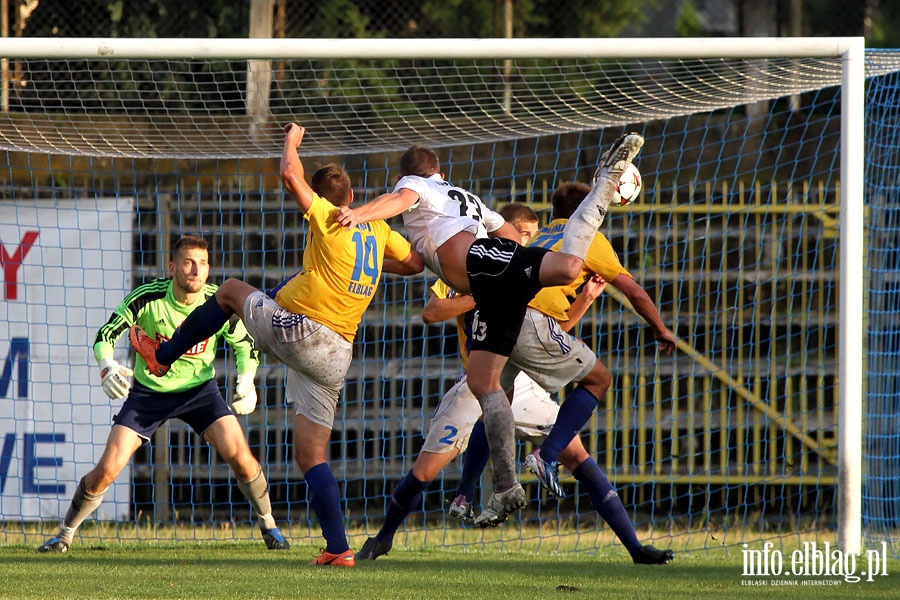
<point>145,410</point>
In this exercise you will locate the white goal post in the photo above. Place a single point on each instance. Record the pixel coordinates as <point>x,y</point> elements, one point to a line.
<point>850,50</point>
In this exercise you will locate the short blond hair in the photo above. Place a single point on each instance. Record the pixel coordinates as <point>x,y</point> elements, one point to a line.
<point>516,212</point>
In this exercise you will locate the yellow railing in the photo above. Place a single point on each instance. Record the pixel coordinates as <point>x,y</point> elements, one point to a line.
<point>751,291</point>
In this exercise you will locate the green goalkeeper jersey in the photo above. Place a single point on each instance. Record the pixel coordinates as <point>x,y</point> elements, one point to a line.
<point>153,306</point>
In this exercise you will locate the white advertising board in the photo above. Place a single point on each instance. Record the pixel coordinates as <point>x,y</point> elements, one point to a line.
<point>66,264</point>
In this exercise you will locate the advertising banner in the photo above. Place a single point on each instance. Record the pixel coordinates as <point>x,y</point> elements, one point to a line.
<point>66,264</point>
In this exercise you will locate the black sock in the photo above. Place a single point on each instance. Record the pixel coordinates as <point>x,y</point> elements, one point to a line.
<point>476,459</point>
<point>206,320</point>
<point>608,504</point>
<point>406,498</point>
<point>575,412</point>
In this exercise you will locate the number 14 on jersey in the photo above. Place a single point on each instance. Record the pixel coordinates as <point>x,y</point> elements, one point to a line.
<point>365,268</point>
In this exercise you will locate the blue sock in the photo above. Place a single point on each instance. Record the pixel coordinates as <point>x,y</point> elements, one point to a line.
<point>608,504</point>
<point>206,320</point>
<point>325,498</point>
<point>406,498</point>
<point>575,412</point>
<point>476,459</point>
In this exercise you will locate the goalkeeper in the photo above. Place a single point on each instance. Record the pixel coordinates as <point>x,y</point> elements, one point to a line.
<point>309,324</point>
<point>189,392</point>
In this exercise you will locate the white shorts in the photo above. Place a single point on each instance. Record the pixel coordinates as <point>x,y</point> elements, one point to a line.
<point>317,358</point>
<point>456,415</point>
<point>547,354</point>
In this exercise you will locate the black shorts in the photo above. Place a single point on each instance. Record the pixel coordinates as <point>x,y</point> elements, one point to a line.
<point>504,277</point>
<point>145,410</point>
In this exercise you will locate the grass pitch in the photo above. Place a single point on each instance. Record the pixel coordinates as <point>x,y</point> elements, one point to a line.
<point>245,570</point>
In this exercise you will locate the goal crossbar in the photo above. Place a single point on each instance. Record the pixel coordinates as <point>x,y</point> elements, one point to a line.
<point>851,51</point>
<point>449,48</point>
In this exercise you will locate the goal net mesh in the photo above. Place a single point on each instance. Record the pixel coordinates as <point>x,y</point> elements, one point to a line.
<point>199,109</point>
<point>735,239</point>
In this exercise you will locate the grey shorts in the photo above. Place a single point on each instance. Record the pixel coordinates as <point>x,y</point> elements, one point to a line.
<point>317,358</point>
<point>547,354</point>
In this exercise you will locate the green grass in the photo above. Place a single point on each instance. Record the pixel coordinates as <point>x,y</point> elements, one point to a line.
<point>245,570</point>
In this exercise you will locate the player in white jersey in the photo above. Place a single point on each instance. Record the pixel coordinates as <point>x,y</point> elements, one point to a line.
<point>457,419</point>
<point>474,251</point>
<point>443,211</point>
<point>455,426</point>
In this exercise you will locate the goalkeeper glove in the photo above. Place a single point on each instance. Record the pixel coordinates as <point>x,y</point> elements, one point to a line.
<point>244,399</point>
<point>114,378</point>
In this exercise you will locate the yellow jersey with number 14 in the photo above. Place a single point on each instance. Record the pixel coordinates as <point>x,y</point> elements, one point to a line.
<point>601,259</point>
<point>341,269</point>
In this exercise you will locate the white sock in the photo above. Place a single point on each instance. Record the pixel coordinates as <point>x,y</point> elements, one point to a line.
<point>588,217</point>
<point>257,492</point>
<point>582,226</point>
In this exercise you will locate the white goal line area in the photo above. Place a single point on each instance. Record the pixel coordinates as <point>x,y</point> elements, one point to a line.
<point>228,98</point>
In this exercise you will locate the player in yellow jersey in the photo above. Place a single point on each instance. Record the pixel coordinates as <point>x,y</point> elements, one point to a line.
<point>523,218</point>
<point>309,325</point>
<point>456,428</point>
<point>555,302</point>
<point>475,251</point>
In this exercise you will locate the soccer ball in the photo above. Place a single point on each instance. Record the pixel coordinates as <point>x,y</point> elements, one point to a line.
<point>629,187</point>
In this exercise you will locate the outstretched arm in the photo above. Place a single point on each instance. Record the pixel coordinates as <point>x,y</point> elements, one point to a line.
<point>246,356</point>
<point>592,289</point>
<point>442,309</point>
<point>292,175</point>
<point>644,307</point>
<point>381,208</point>
<point>411,265</point>
<point>114,378</point>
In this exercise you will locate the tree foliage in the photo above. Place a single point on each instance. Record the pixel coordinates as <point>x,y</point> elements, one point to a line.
<point>690,23</point>
<point>148,18</point>
<point>885,26</point>
<point>531,18</point>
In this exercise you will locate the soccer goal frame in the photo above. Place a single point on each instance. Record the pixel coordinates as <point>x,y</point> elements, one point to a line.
<point>851,51</point>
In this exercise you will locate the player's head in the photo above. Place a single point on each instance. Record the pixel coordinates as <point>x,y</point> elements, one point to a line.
<point>189,267</point>
<point>522,218</point>
<point>567,197</point>
<point>419,160</point>
<point>333,183</point>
